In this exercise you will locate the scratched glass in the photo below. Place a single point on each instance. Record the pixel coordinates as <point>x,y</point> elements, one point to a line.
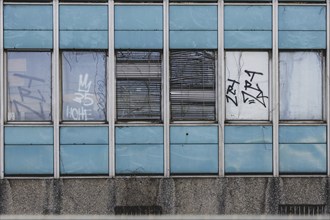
<point>29,86</point>
<point>83,86</point>
<point>247,85</point>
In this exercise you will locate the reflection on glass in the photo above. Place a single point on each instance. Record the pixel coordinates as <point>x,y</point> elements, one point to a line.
<point>29,86</point>
<point>83,86</point>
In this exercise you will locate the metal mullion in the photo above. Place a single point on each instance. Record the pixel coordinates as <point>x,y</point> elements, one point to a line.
<point>111,93</point>
<point>221,89</point>
<point>2,95</point>
<point>275,91</point>
<point>138,4</point>
<point>166,89</point>
<point>327,80</point>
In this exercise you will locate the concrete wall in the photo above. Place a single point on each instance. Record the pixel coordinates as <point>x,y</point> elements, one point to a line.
<point>231,195</point>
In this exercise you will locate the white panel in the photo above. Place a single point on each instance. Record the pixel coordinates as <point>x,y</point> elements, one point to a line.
<point>247,86</point>
<point>301,85</point>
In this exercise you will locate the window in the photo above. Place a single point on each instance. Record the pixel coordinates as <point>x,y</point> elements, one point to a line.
<point>192,85</point>
<point>83,86</point>
<point>138,85</point>
<point>29,86</point>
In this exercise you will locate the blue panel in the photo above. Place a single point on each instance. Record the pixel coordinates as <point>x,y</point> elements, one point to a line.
<point>29,135</point>
<point>194,39</point>
<point>139,135</point>
<point>302,39</point>
<point>193,18</point>
<point>84,135</point>
<point>248,18</point>
<point>302,134</point>
<point>248,134</point>
<point>248,158</point>
<point>139,159</point>
<point>194,158</point>
<point>28,17</point>
<point>83,17</point>
<point>28,39</point>
<point>303,158</point>
<point>248,39</point>
<point>302,18</point>
<point>194,134</point>
<point>84,39</point>
<point>138,17</point>
<point>138,39</point>
<point>29,159</point>
<point>84,159</point>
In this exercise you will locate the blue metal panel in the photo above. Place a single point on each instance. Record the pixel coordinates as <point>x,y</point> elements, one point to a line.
<point>248,18</point>
<point>302,18</point>
<point>193,39</point>
<point>302,134</point>
<point>248,39</point>
<point>248,158</point>
<point>84,39</point>
<point>84,159</point>
<point>28,39</point>
<point>138,39</point>
<point>248,134</point>
<point>193,18</point>
<point>194,158</point>
<point>29,159</point>
<point>303,158</point>
<point>139,135</point>
<point>194,134</point>
<point>28,17</point>
<point>139,159</point>
<point>302,39</point>
<point>84,135</point>
<point>128,17</point>
<point>29,135</point>
<point>83,17</point>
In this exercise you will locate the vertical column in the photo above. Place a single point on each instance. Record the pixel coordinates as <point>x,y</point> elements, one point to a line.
<point>2,95</point>
<point>275,91</point>
<point>166,90</point>
<point>327,100</point>
<point>221,88</point>
<point>111,94</point>
<point>56,91</point>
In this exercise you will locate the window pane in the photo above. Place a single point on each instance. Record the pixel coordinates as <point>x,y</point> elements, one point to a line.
<point>84,86</point>
<point>138,85</point>
<point>29,86</point>
<point>192,85</point>
<point>247,86</point>
<point>301,85</point>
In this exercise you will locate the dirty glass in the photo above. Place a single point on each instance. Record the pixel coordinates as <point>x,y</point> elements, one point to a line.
<point>83,86</point>
<point>29,86</point>
<point>247,86</point>
<point>301,85</point>
<point>138,85</point>
<point>192,85</point>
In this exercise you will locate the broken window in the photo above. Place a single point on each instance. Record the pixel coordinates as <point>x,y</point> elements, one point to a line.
<point>83,86</point>
<point>138,75</point>
<point>247,85</point>
<point>192,85</point>
<point>301,85</point>
<point>29,86</point>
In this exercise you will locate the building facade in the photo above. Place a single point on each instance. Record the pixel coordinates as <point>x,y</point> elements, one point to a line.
<point>163,103</point>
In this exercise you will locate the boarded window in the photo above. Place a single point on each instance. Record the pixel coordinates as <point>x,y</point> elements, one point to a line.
<point>192,85</point>
<point>138,85</point>
<point>29,86</point>
<point>83,86</point>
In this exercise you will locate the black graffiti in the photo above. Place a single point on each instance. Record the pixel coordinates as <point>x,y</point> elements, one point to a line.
<point>231,90</point>
<point>40,113</point>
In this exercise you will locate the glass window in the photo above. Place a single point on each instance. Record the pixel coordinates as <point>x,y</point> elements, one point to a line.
<point>192,85</point>
<point>247,85</point>
<point>83,86</point>
<point>138,85</point>
<point>29,86</point>
<point>301,85</point>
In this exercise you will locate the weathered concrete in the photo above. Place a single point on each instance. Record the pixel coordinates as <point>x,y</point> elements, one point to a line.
<point>231,195</point>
